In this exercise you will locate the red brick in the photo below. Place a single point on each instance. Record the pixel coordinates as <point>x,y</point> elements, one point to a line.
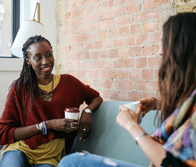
<point>91,18</point>
<point>155,37</point>
<point>76,73</point>
<point>118,42</point>
<point>124,95</point>
<point>126,19</point>
<point>68,15</point>
<point>81,46</point>
<point>159,26</point>
<point>104,83</point>
<point>148,27</point>
<point>112,73</point>
<point>134,73</point>
<point>78,55</point>
<point>124,31</point>
<point>90,46</point>
<point>154,62</point>
<point>103,73</point>
<point>129,1</point>
<point>123,73</point>
<point>129,41</point>
<point>135,29</point>
<point>108,63</point>
<point>147,95</point>
<point>85,36</point>
<point>71,6</point>
<point>74,13</point>
<point>134,7</point>
<point>99,6</point>
<point>81,12</point>
<point>81,64</point>
<point>78,3</point>
<point>70,31</point>
<point>113,53</point>
<point>146,85</point>
<point>118,63</point>
<point>95,55</point>
<point>141,62</point>
<point>128,63</point>
<point>85,73</point>
<point>99,45</point>
<point>135,51</point>
<point>123,84</point>
<point>135,96</point>
<point>108,43</point>
<point>147,15</point>
<point>118,2</point>
<point>93,36</point>
<point>124,52</point>
<point>154,3</point>
<point>157,74</point>
<point>113,94</point>
<point>148,50</point>
<point>93,73</point>
<point>142,39</point>
<point>147,74</point>
<point>89,9</point>
<point>103,54</point>
<point>67,48</point>
<point>108,4</point>
<point>114,32</point>
<point>102,25</point>
<point>74,22</point>
<point>108,14</point>
<point>74,47</point>
<point>89,64</point>
<point>86,55</point>
<point>86,2</point>
<point>103,34</point>
<point>98,63</point>
<point>103,94</point>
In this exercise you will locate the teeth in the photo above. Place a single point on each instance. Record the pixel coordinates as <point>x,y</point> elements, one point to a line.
<point>46,68</point>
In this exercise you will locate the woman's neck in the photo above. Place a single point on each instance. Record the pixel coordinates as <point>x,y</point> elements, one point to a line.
<point>44,80</point>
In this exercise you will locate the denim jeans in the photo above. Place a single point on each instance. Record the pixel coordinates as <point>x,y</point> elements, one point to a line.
<point>17,158</point>
<point>85,159</point>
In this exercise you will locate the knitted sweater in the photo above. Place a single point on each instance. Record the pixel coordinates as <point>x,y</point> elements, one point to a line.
<point>70,92</point>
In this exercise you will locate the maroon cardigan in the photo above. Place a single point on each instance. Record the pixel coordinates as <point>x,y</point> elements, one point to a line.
<point>70,92</point>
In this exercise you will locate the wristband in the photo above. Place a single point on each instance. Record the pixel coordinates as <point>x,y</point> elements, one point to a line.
<point>155,103</point>
<point>139,137</point>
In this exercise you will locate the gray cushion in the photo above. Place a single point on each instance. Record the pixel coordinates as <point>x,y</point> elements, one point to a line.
<point>111,140</point>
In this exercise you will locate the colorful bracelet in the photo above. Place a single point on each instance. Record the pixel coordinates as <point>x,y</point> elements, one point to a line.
<point>42,127</point>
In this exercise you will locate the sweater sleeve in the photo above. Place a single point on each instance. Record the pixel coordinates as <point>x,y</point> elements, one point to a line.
<point>9,119</point>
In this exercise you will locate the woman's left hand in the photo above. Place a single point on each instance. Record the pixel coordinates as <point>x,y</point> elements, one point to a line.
<point>85,126</point>
<point>127,118</point>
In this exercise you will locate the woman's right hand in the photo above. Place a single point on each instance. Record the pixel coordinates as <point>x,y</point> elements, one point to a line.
<point>63,125</point>
<point>147,105</point>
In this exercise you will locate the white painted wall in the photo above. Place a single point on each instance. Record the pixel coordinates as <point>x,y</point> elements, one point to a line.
<point>9,67</point>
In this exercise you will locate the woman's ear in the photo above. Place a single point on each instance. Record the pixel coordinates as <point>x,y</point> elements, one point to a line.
<point>27,61</point>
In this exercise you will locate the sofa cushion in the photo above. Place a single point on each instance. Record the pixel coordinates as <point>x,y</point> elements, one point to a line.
<point>110,139</point>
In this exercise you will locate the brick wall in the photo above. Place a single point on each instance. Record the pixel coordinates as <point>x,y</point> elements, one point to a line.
<point>111,44</point>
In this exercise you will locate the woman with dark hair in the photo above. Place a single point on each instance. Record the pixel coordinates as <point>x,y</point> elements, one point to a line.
<point>174,142</point>
<point>33,124</point>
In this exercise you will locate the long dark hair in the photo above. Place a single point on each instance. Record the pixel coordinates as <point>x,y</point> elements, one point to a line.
<point>177,73</point>
<point>28,78</point>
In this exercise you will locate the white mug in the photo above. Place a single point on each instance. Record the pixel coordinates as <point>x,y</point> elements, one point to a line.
<point>133,107</point>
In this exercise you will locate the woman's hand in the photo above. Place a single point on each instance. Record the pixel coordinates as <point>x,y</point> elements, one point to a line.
<point>127,118</point>
<point>63,125</point>
<point>147,105</point>
<point>85,126</point>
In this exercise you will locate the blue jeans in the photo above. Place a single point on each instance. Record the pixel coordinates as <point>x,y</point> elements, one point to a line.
<point>17,158</point>
<point>85,159</point>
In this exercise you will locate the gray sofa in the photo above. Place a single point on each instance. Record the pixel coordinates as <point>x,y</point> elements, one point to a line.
<point>111,140</point>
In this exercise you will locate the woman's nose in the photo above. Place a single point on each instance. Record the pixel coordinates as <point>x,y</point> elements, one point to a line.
<point>45,60</point>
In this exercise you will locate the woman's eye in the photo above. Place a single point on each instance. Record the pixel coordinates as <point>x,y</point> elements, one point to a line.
<point>37,58</point>
<point>49,55</point>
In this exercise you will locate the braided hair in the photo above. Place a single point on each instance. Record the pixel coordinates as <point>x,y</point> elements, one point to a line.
<point>28,78</point>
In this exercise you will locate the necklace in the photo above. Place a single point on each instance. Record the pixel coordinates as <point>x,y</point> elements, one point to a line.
<point>47,97</point>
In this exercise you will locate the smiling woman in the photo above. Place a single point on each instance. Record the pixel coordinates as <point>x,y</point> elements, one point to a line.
<point>33,122</point>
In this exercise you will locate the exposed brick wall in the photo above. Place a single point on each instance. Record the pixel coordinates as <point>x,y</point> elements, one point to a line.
<point>111,44</point>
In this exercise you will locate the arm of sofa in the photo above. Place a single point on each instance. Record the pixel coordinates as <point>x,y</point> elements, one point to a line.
<point>111,140</point>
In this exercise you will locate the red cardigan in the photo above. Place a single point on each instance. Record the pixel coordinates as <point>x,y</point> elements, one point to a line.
<point>70,92</point>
